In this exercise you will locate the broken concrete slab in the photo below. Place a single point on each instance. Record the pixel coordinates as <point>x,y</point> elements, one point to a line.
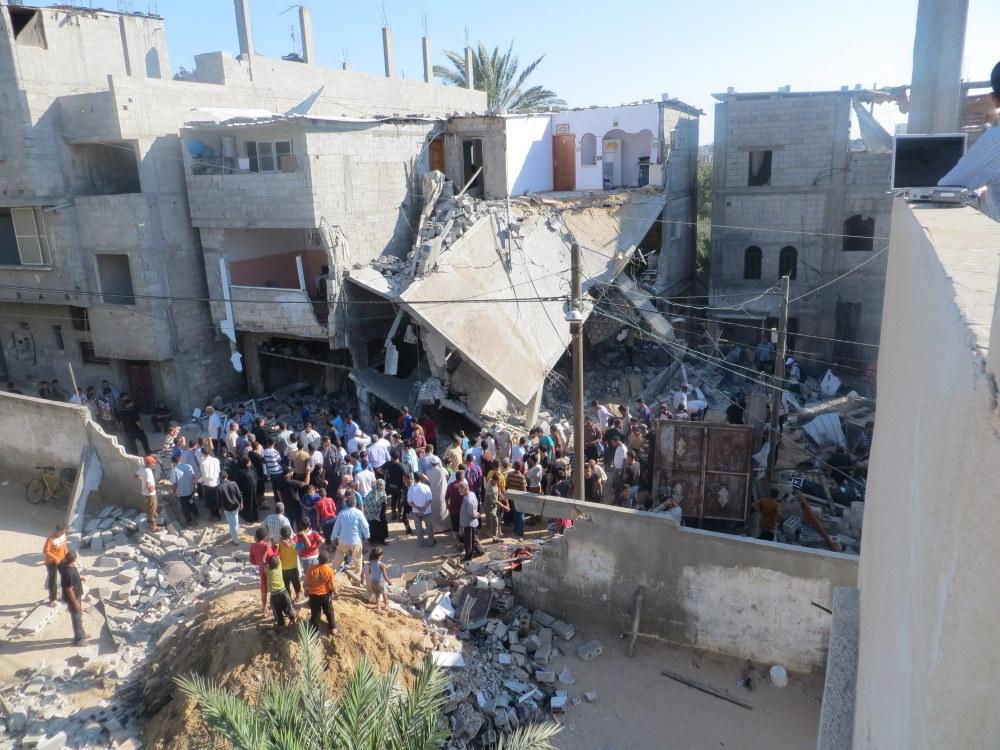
<point>36,620</point>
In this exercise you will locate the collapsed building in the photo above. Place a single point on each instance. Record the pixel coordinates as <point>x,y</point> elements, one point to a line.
<point>391,255</point>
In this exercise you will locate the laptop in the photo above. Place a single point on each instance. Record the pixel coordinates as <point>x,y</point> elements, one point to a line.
<point>920,161</point>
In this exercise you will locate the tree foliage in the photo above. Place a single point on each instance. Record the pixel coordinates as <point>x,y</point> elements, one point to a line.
<point>499,76</point>
<point>704,217</point>
<point>372,712</point>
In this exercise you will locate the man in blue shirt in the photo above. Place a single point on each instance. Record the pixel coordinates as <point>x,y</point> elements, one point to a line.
<point>182,478</point>
<point>349,531</point>
<point>981,164</point>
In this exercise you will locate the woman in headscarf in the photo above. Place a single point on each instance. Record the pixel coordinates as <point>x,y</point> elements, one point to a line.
<point>375,504</point>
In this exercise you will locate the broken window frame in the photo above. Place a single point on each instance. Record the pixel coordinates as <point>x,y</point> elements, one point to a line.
<point>859,234</point>
<point>753,263</point>
<point>277,149</point>
<point>27,227</point>
<point>761,176</point>
<point>788,262</point>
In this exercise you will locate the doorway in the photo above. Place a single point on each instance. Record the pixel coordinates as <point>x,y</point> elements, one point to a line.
<point>435,154</point>
<point>472,165</point>
<point>140,385</point>
<point>564,161</point>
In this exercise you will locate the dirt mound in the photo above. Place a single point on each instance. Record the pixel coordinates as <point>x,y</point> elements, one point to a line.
<point>227,641</point>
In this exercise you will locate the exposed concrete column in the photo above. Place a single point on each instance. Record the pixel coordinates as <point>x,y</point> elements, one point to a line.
<point>251,363</point>
<point>534,406</point>
<point>936,93</point>
<point>306,32</point>
<point>390,63</point>
<point>469,82</point>
<point>428,64</point>
<point>243,26</point>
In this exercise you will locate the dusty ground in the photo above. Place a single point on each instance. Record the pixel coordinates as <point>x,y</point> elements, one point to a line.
<point>229,642</point>
<point>22,570</point>
<point>637,707</point>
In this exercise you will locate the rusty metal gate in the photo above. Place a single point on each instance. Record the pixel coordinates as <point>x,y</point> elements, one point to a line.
<point>705,467</point>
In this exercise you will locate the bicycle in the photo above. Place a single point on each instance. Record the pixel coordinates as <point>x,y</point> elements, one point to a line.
<point>50,485</point>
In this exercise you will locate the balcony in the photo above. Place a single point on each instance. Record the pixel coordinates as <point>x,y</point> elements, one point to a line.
<point>273,277</point>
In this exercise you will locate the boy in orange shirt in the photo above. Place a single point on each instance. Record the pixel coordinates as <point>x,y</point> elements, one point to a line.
<point>55,552</point>
<point>319,585</point>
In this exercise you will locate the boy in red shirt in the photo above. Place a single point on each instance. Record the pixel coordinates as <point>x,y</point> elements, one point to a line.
<point>307,542</point>
<point>326,513</point>
<point>260,552</point>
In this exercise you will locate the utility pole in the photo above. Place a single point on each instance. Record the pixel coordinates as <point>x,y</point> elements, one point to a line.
<point>779,382</point>
<point>575,318</point>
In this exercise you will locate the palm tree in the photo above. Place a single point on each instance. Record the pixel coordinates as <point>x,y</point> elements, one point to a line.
<point>371,712</point>
<point>497,74</point>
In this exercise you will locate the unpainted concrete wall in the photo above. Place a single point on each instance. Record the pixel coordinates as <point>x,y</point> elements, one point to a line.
<point>37,432</point>
<point>728,594</point>
<point>928,660</point>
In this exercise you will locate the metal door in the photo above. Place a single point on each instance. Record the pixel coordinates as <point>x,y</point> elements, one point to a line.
<point>564,161</point>
<point>705,467</point>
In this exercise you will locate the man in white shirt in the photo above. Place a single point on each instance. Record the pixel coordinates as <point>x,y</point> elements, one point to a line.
<point>215,427</point>
<point>232,437</point>
<point>621,452</point>
<point>364,480</point>
<point>310,438</point>
<point>421,500</point>
<point>209,481</point>
<point>378,452</point>
<point>148,487</point>
<point>603,414</point>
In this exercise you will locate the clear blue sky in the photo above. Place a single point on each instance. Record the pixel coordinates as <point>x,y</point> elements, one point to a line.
<point>605,53</point>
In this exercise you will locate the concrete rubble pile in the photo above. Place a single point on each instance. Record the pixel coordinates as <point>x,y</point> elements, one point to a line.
<point>143,586</point>
<point>513,669</point>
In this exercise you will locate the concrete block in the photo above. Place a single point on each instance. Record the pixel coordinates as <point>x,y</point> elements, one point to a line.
<point>36,620</point>
<point>558,703</point>
<point>590,650</point>
<point>591,697</point>
<point>563,630</point>
<point>545,676</point>
<point>531,643</point>
<point>544,619</point>
<point>543,655</point>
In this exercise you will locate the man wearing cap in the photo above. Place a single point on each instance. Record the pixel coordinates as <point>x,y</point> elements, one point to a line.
<point>148,488</point>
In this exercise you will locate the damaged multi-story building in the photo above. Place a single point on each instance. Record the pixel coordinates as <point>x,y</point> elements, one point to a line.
<point>226,230</point>
<point>396,252</point>
<point>794,193</point>
<point>101,267</point>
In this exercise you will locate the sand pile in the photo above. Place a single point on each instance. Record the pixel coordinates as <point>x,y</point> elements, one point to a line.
<point>228,642</point>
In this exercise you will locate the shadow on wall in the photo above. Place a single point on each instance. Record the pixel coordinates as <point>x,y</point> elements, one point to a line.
<point>731,595</point>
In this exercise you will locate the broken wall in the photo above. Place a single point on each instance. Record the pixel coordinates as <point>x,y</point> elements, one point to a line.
<point>40,432</point>
<point>731,595</point>
<point>928,660</point>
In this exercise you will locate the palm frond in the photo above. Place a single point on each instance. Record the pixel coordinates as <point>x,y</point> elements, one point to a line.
<point>226,714</point>
<point>498,74</point>
<point>530,737</point>
<point>358,716</point>
<point>415,715</point>
<point>312,688</point>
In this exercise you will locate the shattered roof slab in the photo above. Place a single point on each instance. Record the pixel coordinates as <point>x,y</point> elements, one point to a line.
<point>513,339</point>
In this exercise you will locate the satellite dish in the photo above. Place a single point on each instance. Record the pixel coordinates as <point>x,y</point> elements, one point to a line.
<point>196,147</point>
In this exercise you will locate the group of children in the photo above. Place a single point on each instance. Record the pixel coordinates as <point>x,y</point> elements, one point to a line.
<point>300,564</point>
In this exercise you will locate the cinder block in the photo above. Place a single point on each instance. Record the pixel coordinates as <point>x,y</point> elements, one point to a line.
<point>590,650</point>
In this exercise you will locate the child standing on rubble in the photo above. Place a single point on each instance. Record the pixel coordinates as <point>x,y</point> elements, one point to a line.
<point>281,604</point>
<point>289,557</point>
<point>376,576</point>
<point>307,542</point>
<point>260,552</point>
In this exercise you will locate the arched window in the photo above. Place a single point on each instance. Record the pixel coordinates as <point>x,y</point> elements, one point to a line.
<point>859,234</point>
<point>752,259</point>
<point>788,261</point>
<point>588,150</point>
